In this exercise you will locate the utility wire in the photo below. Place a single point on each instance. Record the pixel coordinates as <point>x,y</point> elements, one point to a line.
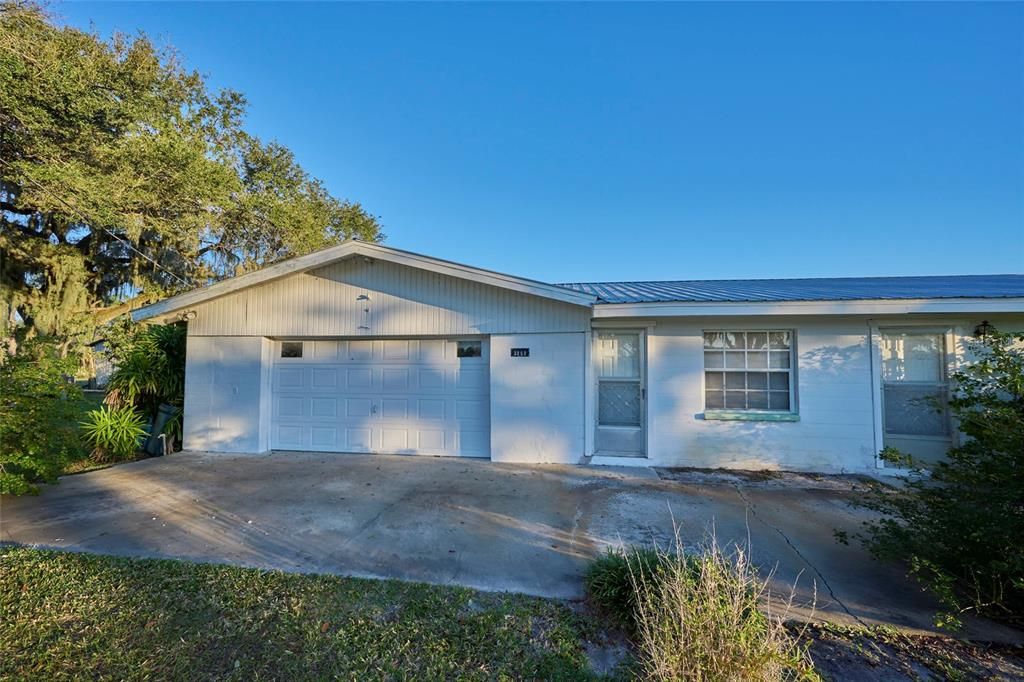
<point>86,221</point>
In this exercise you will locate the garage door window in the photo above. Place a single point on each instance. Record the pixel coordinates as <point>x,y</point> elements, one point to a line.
<point>291,349</point>
<point>469,349</point>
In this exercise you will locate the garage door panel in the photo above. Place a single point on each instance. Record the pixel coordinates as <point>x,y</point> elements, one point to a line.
<point>430,409</point>
<point>394,408</point>
<point>431,379</point>
<point>395,440</point>
<point>360,351</point>
<point>392,395</point>
<point>324,407</point>
<point>471,379</point>
<point>395,379</point>
<point>289,377</point>
<point>356,379</point>
<point>474,442</point>
<point>325,350</point>
<point>358,408</point>
<point>324,377</point>
<point>324,437</point>
<point>290,436</point>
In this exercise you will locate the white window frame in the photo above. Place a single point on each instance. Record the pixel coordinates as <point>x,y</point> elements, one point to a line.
<point>955,331</point>
<point>719,412</point>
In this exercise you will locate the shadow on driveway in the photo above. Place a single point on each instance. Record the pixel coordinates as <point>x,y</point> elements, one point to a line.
<point>489,526</point>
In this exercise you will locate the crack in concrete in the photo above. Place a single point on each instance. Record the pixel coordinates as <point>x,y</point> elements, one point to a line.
<point>753,510</point>
<point>575,525</point>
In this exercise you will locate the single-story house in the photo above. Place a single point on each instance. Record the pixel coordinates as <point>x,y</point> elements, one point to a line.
<point>366,348</point>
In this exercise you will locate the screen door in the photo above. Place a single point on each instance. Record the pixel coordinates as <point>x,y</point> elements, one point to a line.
<point>621,392</point>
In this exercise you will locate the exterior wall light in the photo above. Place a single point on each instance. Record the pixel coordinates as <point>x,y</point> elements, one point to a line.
<point>983,330</point>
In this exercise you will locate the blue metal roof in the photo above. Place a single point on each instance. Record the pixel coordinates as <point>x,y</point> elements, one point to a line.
<point>815,289</point>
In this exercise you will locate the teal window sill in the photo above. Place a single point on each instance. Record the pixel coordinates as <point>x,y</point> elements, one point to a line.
<point>744,416</point>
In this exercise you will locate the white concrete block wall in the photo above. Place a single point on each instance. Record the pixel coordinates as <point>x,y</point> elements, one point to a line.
<point>834,398</point>
<point>537,402</point>
<point>227,393</point>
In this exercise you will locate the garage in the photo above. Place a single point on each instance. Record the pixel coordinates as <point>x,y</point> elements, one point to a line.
<point>423,396</point>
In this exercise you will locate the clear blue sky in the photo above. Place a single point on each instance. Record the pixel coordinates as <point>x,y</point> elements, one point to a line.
<point>641,141</point>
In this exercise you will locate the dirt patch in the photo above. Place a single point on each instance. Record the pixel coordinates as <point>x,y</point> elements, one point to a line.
<point>886,655</point>
<point>768,479</point>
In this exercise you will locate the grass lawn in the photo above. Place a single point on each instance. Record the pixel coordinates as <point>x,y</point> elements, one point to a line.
<point>75,615</point>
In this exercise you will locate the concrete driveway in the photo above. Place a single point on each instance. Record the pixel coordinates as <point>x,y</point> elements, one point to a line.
<point>468,522</point>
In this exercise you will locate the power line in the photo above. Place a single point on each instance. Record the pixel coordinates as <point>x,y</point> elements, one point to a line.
<point>86,221</point>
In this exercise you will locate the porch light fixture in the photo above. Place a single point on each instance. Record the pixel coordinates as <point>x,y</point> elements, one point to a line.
<point>983,330</point>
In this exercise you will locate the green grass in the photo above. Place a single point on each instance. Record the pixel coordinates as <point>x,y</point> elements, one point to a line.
<point>65,615</point>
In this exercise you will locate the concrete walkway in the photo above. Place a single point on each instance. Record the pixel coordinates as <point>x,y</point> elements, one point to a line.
<point>468,522</point>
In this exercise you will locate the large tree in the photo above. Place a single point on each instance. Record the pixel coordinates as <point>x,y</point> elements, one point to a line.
<point>124,178</point>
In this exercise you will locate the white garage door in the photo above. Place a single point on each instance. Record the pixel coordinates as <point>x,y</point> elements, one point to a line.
<point>416,396</point>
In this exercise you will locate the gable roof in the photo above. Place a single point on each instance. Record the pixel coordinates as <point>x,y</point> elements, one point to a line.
<point>352,248</point>
<point>815,289</point>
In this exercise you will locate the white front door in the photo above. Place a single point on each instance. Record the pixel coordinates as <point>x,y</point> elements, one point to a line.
<point>915,389</point>
<point>621,392</point>
<point>398,396</point>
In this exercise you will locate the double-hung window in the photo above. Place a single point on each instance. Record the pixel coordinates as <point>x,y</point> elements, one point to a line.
<point>749,371</point>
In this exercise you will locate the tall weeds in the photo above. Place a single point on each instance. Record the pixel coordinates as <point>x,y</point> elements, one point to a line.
<point>707,615</point>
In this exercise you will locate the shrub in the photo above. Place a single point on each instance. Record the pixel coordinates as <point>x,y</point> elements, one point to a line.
<point>960,529</point>
<point>114,432</point>
<point>39,411</point>
<point>698,616</point>
<point>609,581</point>
<point>149,369</point>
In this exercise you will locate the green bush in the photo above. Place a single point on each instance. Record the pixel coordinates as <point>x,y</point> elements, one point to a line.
<point>959,530</point>
<point>39,411</point>
<point>609,581</point>
<point>114,432</point>
<point>149,369</point>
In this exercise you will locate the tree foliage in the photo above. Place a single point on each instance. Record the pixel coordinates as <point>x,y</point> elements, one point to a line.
<point>39,410</point>
<point>122,175</point>
<point>960,528</point>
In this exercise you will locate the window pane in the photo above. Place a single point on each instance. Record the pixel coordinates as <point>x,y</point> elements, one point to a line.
<point>291,349</point>
<point>778,400</point>
<point>618,403</point>
<point>735,380</point>
<point>713,380</point>
<point>714,400</point>
<point>778,360</point>
<point>468,349</point>
<point>714,340</point>
<point>915,410</point>
<point>779,339</point>
<point>757,360</point>
<point>778,381</point>
<point>757,380</point>
<point>734,359</point>
<point>912,357</point>
<point>757,340</point>
<point>714,359</point>
<point>757,400</point>
<point>618,355</point>
<point>733,339</point>
<point>736,400</point>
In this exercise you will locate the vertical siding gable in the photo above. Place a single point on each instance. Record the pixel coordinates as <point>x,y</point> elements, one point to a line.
<point>356,297</point>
